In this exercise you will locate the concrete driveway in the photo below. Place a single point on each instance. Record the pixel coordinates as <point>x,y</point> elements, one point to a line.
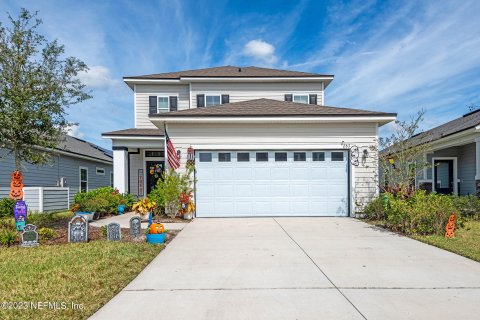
<point>299,268</point>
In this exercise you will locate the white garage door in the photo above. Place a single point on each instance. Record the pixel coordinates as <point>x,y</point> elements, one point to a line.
<point>272,183</point>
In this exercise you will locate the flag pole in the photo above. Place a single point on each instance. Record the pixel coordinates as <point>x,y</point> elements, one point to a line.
<point>165,145</point>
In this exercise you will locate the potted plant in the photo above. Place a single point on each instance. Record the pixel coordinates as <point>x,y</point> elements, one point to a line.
<point>155,233</point>
<point>121,207</point>
<point>86,209</point>
<point>144,207</point>
<point>187,205</point>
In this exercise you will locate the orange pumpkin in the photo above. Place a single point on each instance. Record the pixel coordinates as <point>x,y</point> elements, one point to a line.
<point>16,186</point>
<point>156,228</point>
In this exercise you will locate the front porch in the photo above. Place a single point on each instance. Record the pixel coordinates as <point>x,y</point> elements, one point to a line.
<point>453,168</point>
<point>138,159</point>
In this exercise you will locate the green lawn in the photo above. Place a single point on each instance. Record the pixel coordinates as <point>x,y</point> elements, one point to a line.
<point>466,242</point>
<point>88,273</point>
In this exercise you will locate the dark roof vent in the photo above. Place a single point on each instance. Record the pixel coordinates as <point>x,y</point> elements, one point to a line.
<point>239,69</point>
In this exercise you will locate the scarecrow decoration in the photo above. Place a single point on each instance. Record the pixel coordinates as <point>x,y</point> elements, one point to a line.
<point>16,186</point>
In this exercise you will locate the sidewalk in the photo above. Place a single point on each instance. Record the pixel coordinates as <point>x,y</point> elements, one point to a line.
<point>124,221</point>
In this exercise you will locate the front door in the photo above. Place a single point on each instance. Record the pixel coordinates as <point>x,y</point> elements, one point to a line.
<point>154,172</point>
<point>443,171</point>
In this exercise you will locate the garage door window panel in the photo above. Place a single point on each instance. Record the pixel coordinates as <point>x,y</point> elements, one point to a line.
<point>261,156</point>
<point>299,156</point>
<point>243,157</point>
<point>318,156</point>
<point>224,157</point>
<point>205,157</point>
<point>280,156</point>
<point>337,156</point>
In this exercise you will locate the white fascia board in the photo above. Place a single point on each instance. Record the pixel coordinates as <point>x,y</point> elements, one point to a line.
<point>113,137</point>
<point>254,79</point>
<point>457,139</point>
<point>380,119</point>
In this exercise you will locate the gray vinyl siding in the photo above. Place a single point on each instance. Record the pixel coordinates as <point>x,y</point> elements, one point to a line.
<point>55,200</point>
<point>32,198</point>
<point>142,92</point>
<point>247,91</point>
<point>48,175</point>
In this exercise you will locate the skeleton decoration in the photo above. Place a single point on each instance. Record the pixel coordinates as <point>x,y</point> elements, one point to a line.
<point>78,230</point>
<point>135,227</point>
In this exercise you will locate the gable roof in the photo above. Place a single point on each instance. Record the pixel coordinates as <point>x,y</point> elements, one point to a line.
<point>467,121</point>
<point>230,72</point>
<point>84,148</point>
<point>269,108</point>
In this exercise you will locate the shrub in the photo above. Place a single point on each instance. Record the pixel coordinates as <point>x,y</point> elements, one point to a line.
<point>422,213</point>
<point>168,190</point>
<point>46,233</point>
<point>8,237</point>
<point>128,200</point>
<point>6,207</point>
<point>103,200</point>
<point>468,206</point>
<point>104,231</point>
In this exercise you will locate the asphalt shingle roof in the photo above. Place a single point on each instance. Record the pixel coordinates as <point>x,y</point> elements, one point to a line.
<point>467,121</point>
<point>136,132</point>
<point>229,72</point>
<point>268,107</point>
<point>84,148</point>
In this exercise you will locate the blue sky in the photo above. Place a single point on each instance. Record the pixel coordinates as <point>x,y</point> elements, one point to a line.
<point>396,56</point>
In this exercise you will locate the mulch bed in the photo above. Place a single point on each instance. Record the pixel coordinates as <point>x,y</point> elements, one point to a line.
<point>94,234</point>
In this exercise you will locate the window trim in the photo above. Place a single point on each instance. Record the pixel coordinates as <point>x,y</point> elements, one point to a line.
<point>111,178</point>
<point>80,168</point>
<point>301,94</point>
<point>213,95</point>
<point>100,168</point>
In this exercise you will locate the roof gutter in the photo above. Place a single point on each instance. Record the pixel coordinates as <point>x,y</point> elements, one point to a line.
<point>269,119</point>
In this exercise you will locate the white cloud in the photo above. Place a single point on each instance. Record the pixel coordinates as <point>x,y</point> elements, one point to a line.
<point>98,77</point>
<point>74,131</point>
<point>260,50</point>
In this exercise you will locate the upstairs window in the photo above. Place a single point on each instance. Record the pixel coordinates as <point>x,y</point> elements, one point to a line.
<point>212,100</point>
<point>163,104</point>
<point>300,98</point>
<point>100,171</point>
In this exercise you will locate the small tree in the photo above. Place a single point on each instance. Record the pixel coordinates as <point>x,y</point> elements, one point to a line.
<point>37,84</point>
<point>402,155</point>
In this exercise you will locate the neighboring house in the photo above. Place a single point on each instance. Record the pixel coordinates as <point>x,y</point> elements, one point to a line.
<point>76,165</point>
<point>453,156</point>
<point>265,143</point>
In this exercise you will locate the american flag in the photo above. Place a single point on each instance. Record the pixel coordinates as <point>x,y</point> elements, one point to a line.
<point>173,159</point>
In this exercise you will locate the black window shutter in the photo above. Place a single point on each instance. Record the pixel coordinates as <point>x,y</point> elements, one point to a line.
<point>152,104</point>
<point>225,98</point>
<point>288,97</point>
<point>200,100</point>
<point>313,98</point>
<point>173,103</point>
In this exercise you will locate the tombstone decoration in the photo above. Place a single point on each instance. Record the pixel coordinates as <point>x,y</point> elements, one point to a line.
<point>135,227</point>
<point>78,229</point>
<point>29,236</point>
<point>114,232</point>
<point>20,214</point>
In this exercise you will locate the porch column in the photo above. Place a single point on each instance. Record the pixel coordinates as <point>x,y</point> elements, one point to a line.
<point>477,166</point>
<point>120,160</point>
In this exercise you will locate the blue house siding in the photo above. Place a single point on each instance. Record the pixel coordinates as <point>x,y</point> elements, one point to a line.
<point>49,174</point>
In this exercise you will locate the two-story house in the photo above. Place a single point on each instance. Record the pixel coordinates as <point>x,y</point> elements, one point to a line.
<point>265,143</point>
